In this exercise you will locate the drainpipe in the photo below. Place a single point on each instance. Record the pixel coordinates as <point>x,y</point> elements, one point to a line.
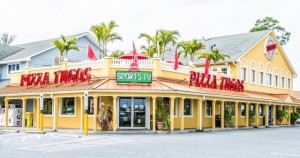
<point>237,70</point>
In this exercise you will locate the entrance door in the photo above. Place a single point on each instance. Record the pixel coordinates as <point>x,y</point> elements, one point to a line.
<point>132,112</point>
<point>270,115</point>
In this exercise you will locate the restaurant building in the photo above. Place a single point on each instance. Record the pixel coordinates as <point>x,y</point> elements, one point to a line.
<point>257,79</point>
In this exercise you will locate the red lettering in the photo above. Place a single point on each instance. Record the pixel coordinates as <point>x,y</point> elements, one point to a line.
<point>87,74</point>
<point>23,80</point>
<point>46,79</point>
<point>56,76</point>
<point>192,77</point>
<point>39,79</point>
<point>64,76</point>
<point>271,47</point>
<point>79,75</point>
<point>72,76</point>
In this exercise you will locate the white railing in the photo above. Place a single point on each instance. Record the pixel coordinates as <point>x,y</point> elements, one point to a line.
<point>125,63</point>
<point>170,67</point>
<point>86,63</point>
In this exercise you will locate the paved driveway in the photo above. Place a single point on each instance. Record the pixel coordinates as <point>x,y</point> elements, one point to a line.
<point>269,142</point>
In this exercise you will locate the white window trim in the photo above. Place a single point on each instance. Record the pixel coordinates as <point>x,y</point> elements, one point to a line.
<point>282,87</point>
<point>289,85</point>
<point>205,110</point>
<point>14,63</point>
<point>277,81</point>
<point>245,73</point>
<point>60,106</point>
<point>266,80</point>
<point>192,109</point>
<point>252,76</point>
<point>263,76</point>
<point>50,115</point>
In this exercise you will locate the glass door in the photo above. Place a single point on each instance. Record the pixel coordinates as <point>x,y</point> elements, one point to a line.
<point>139,111</point>
<point>132,112</point>
<point>125,112</point>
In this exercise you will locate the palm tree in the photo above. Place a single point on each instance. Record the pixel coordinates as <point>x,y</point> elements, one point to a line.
<point>215,56</point>
<point>162,38</point>
<point>151,41</point>
<point>195,46</point>
<point>149,51</point>
<point>64,46</point>
<point>168,37</point>
<point>117,54</point>
<point>186,49</point>
<point>104,34</point>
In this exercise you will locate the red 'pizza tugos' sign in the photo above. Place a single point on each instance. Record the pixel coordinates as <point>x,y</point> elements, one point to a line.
<point>198,79</point>
<point>270,47</point>
<point>62,76</point>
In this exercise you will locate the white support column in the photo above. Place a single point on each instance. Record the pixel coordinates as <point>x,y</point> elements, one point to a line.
<point>23,112</point>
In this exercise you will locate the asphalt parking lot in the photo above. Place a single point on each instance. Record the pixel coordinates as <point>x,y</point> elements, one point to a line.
<point>269,142</point>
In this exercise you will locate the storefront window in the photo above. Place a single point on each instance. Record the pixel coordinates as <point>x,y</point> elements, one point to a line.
<point>261,110</point>
<point>67,106</point>
<point>47,109</point>
<point>90,106</point>
<point>188,107</point>
<point>232,108</point>
<point>243,111</point>
<point>208,108</point>
<point>252,109</point>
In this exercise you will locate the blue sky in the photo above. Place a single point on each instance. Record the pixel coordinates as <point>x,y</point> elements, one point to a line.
<point>33,20</point>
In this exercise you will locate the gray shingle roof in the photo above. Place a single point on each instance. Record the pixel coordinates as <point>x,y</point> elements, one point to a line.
<point>6,51</point>
<point>233,45</point>
<point>32,48</point>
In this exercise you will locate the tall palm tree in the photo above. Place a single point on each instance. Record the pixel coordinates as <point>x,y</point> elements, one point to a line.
<point>215,56</point>
<point>151,41</point>
<point>195,46</point>
<point>64,46</point>
<point>149,51</point>
<point>185,49</point>
<point>168,37</point>
<point>162,38</point>
<point>104,34</point>
<point>117,54</point>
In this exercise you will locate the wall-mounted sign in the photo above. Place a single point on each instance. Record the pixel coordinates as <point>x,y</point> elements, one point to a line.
<point>41,101</point>
<point>270,47</point>
<point>133,76</point>
<point>86,100</point>
<point>198,79</point>
<point>62,76</point>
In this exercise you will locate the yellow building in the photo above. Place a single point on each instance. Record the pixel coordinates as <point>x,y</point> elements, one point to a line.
<point>133,98</point>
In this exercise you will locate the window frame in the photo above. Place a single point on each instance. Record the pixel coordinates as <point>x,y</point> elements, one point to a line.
<point>191,108</point>
<point>289,83</point>
<point>91,98</point>
<point>52,108</point>
<point>17,63</point>
<point>252,76</point>
<point>244,73</point>
<point>60,107</point>
<point>276,81</point>
<point>282,82</point>
<point>261,78</point>
<point>206,108</point>
<point>261,107</point>
<point>241,112</point>
<point>270,78</point>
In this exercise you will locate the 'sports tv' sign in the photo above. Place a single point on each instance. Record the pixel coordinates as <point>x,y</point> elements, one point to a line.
<point>133,76</point>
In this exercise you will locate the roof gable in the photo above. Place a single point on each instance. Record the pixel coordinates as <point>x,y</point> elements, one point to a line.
<point>34,48</point>
<point>6,51</point>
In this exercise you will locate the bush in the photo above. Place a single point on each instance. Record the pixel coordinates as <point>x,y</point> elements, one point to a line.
<point>294,116</point>
<point>281,114</point>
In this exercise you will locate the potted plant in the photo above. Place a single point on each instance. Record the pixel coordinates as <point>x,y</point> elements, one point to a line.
<point>227,116</point>
<point>280,115</point>
<point>162,118</point>
<point>294,116</point>
<point>251,117</point>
